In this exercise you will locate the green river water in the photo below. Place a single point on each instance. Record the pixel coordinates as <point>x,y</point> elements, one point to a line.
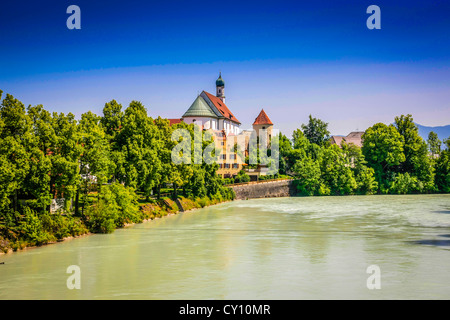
<point>279,248</point>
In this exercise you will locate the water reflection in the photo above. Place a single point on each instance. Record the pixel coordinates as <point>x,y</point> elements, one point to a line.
<point>283,248</point>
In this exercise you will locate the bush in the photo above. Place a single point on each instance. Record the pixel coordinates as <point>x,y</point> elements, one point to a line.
<point>241,177</point>
<point>116,207</point>
<point>101,218</point>
<point>203,202</point>
<point>404,184</point>
<point>32,229</point>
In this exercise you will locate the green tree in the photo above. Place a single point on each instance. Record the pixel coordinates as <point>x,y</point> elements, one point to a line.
<point>308,177</point>
<point>95,163</point>
<point>112,122</point>
<point>65,156</point>
<point>139,143</point>
<point>417,162</point>
<point>285,150</point>
<point>434,144</point>
<point>241,177</point>
<point>336,171</point>
<point>364,176</point>
<point>442,178</point>
<point>316,131</point>
<point>112,119</point>
<point>15,140</point>
<point>383,151</point>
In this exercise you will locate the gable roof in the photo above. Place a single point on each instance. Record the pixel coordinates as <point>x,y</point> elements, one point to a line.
<point>221,107</point>
<point>199,108</point>
<point>353,137</point>
<point>337,140</point>
<point>262,118</point>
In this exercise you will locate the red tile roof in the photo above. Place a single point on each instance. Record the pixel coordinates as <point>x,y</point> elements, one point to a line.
<point>174,121</point>
<point>221,106</point>
<point>262,118</point>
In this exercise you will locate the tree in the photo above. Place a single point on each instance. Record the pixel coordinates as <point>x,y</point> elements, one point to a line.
<point>434,144</point>
<point>417,162</point>
<point>285,150</point>
<point>112,119</point>
<point>336,171</point>
<point>15,139</point>
<point>316,131</point>
<point>364,176</point>
<point>95,163</point>
<point>241,177</point>
<point>442,178</point>
<point>383,151</point>
<point>139,143</point>
<point>65,156</point>
<point>308,176</point>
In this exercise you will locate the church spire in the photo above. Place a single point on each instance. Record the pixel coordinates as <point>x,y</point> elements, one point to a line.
<point>220,88</point>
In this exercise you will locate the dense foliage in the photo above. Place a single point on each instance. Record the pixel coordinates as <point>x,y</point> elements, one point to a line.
<point>110,169</point>
<point>393,159</point>
<point>102,166</point>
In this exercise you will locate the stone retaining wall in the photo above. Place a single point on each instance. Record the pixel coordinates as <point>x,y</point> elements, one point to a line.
<point>264,189</point>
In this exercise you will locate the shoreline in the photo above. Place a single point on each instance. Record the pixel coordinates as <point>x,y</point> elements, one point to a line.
<point>11,251</point>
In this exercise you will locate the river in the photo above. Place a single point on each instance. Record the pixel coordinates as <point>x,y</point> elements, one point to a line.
<point>279,248</point>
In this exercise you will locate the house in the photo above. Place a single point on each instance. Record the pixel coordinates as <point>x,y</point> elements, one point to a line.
<point>211,113</point>
<point>352,138</point>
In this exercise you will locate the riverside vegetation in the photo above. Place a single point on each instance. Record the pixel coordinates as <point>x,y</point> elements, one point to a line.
<point>110,170</point>
<point>113,170</point>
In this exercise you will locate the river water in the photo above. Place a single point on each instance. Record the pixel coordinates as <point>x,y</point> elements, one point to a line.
<point>280,248</point>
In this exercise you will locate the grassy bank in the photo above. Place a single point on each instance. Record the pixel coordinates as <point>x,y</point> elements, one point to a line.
<point>32,229</point>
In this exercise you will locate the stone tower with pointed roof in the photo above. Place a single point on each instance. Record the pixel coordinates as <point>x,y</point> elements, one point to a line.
<point>263,124</point>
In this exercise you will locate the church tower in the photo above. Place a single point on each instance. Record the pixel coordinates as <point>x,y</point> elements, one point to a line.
<point>263,124</point>
<point>220,88</point>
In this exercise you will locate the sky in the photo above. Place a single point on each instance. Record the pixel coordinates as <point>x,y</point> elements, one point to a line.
<point>290,58</point>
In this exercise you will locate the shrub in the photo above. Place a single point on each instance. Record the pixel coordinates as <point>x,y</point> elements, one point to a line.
<point>403,184</point>
<point>241,177</point>
<point>203,202</point>
<point>101,218</point>
<point>32,230</point>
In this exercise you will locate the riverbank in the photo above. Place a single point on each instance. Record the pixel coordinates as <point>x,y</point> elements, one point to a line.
<point>148,211</point>
<point>278,248</point>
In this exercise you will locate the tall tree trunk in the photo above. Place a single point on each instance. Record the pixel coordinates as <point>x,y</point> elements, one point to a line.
<point>84,196</point>
<point>15,201</point>
<point>77,201</point>
<point>175,193</point>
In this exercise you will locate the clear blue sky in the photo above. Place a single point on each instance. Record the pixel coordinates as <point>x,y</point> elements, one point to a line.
<point>292,58</point>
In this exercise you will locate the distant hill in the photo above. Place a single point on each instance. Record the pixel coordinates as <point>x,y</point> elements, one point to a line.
<point>443,132</point>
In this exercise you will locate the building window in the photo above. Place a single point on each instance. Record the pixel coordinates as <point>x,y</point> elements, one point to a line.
<point>222,143</point>
<point>235,166</point>
<point>223,156</point>
<point>227,166</point>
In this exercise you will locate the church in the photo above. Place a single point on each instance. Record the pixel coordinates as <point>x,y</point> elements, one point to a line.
<point>211,113</point>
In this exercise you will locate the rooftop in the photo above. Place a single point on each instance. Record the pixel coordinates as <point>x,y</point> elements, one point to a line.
<point>262,118</point>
